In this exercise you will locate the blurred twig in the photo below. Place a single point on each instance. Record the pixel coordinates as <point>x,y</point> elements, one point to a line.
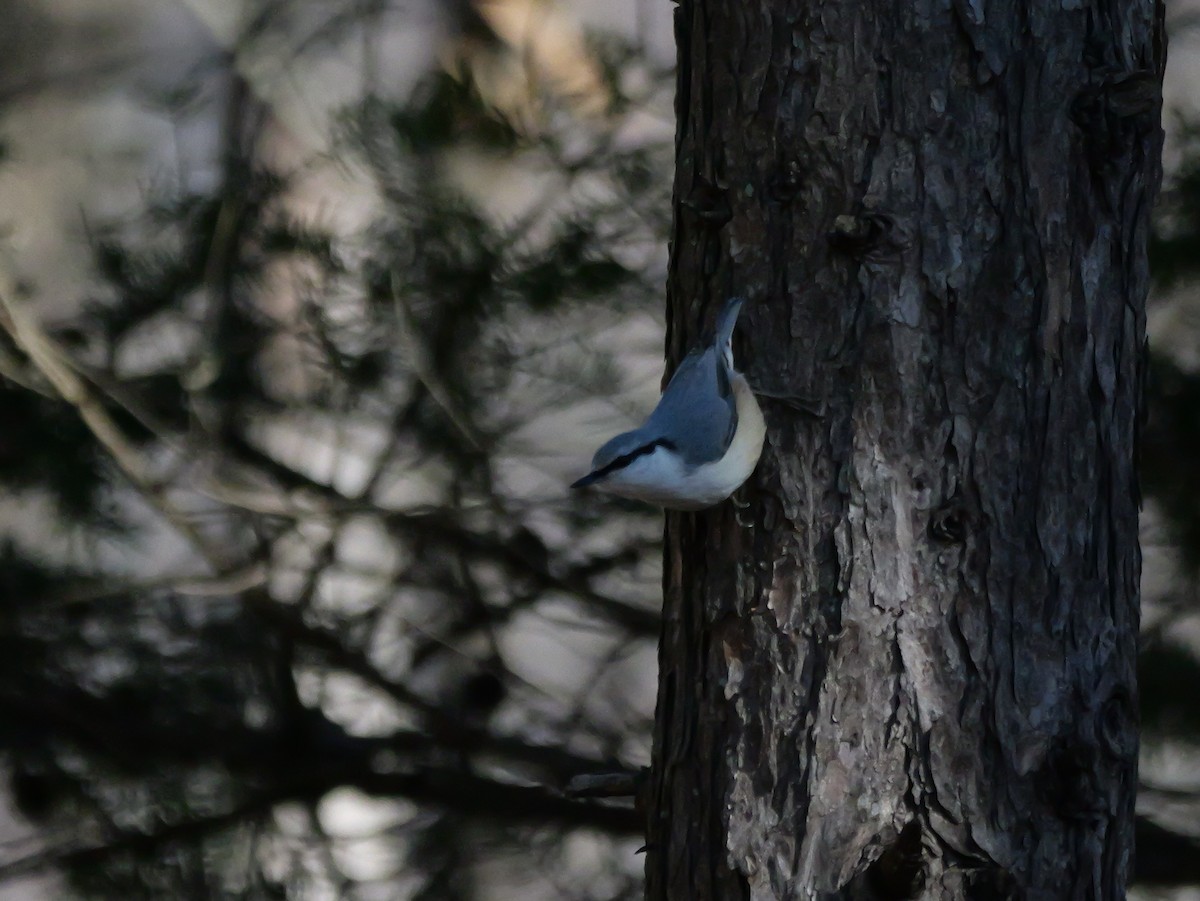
<point>53,363</point>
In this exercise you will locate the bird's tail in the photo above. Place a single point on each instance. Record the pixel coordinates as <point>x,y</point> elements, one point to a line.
<point>726,320</point>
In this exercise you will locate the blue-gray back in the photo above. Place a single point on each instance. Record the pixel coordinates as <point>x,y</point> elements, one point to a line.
<point>697,412</point>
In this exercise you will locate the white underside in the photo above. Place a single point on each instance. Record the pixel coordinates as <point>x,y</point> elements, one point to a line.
<point>660,477</point>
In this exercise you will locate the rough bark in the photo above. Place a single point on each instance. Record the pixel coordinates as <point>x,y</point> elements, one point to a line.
<point>906,669</point>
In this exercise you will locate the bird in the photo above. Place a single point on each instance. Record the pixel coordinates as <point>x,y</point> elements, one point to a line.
<point>702,441</point>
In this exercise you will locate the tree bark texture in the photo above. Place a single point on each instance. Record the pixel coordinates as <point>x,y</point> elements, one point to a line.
<point>906,668</point>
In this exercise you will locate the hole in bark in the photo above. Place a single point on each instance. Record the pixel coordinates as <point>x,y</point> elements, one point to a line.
<point>855,234</point>
<point>1085,109</point>
<point>990,884</point>
<point>783,186</point>
<point>709,203</point>
<point>948,523</point>
<point>1067,781</point>
<point>899,872</point>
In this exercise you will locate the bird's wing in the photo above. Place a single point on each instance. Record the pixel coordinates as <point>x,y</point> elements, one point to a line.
<point>697,413</point>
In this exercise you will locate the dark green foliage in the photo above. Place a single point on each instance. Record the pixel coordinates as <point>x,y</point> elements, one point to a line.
<point>1170,475</point>
<point>578,262</point>
<point>201,259</point>
<point>1173,395</point>
<point>152,702</point>
<point>1167,675</point>
<point>1169,443</point>
<point>162,722</point>
<point>286,237</point>
<point>45,446</point>
<point>446,110</point>
<point>1175,243</point>
<point>23,582</point>
<point>155,404</point>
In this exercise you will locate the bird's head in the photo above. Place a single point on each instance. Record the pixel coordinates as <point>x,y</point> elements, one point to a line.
<point>618,453</point>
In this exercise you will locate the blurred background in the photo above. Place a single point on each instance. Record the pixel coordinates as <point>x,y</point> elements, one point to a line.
<point>325,302</point>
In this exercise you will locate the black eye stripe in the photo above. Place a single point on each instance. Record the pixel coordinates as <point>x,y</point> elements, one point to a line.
<point>625,459</point>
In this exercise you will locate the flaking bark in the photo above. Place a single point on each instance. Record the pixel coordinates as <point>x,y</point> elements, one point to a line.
<point>906,669</point>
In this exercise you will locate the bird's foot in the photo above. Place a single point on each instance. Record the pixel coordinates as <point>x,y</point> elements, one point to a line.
<point>738,506</point>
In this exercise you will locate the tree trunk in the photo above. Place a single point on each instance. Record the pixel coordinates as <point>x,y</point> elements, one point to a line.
<point>906,669</point>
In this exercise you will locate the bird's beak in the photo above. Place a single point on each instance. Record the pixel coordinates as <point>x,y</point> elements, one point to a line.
<point>586,480</point>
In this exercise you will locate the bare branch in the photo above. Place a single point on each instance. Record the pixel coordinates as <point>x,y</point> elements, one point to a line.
<point>53,363</point>
<point>453,789</point>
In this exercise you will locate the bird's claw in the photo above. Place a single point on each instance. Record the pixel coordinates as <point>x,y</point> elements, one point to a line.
<point>738,506</point>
